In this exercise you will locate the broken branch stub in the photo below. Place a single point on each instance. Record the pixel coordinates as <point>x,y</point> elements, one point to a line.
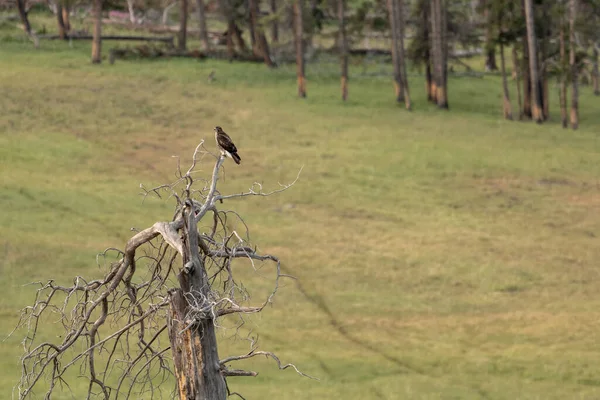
<point>114,328</point>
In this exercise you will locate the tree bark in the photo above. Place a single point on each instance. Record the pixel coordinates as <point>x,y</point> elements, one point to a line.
<point>62,32</point>
<point>194,349</point>
<point>261,47</point>
<point>203,30</point>
<point>562,94</point>
<point>183,17</point>
<point>97,34</point>
<point>299,43</point>
<point>66,10</point>
<point>439,30</point>
<point>343,48</point>
<point>429,81</point>
<point>24,17</point>
<point>506,99</point>
<point>573,65</point>
<point>516,70</point>
<point>274,23</point>
<point>595,73</point>
<point>131,11</point>
<point>536,109</point>
<point>490,50</point>
<point>398,58</point>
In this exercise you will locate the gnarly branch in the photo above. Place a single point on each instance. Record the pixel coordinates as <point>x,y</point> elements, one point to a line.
<point>253,353</point>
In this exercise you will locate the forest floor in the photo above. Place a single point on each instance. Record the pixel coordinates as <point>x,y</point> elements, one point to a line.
<point>439,254</point>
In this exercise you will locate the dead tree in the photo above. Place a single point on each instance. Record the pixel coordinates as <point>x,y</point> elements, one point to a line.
<point>115,332</point>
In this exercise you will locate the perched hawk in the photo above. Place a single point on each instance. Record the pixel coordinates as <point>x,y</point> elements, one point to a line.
<point>226,145</point>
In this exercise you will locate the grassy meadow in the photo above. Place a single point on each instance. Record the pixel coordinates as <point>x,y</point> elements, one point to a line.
<point>439,254</point>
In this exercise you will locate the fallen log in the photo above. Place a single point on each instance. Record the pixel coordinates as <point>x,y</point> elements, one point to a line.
<point>156,52</point>
<point>167,40</point>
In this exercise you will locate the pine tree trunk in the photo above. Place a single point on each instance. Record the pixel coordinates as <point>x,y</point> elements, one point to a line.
<point>506,99</point>
<point>441,52</point>
<point>425,11</point>
<point>66,17</point>
<point>516,69</point>
<point>97,35</point>
<point>261,47</point>
<point>573,65</point>
<point>203,34</point>
<point>536,109</point>
<point>595,74</point>
<point>230,35</point>
<point>62,32</point>
<point>275,23</point>
<point>183,16</point>
<point>562,94</point>
<point>343,48</point>
<point>398,59</point>
<point>299,43</point>
<point>24,17</point>
<point>490,50</point>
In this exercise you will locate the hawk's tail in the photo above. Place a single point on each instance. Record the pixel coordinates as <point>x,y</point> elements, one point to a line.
<point>236,158</point>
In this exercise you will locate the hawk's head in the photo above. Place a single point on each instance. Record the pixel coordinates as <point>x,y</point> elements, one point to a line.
<point>218,129</point>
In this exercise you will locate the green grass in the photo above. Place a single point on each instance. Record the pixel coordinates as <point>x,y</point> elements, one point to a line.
<point>439,255</point>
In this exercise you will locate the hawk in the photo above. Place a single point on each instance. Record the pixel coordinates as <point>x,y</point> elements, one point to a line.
<point>226,145</point>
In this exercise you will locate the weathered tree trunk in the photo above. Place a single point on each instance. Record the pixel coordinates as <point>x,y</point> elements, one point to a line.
<point>97,35</point>
<point>66,11</point>
<point>490,49</point>
<point>343,43</point>
<point>398,58</point>
<point>544,45</point>
<point>183,17</point>
<point>131,11</point>
<point>562,94</point>
<point>573,65</point>
<point>203,30</point>
<point>429,81</point>
<point>536,109</point>
<point>62,32</point>
<point>506,99</point>
<point>439,29</point>
<point>517,74</point>
<point>595,73</point>
<point>194,343</point>
<point>299,42</point>
<point>274,23</point>
<point>24,17</point>
<point>526,80</point>
<point>261,47</point>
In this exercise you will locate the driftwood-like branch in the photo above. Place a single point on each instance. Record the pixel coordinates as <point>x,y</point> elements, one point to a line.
<point>114,330</point>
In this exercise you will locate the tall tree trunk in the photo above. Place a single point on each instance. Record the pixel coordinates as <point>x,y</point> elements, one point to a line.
<point>24,17</point>
<point>194,348</point>
<point>573,65</point>
<point>595,74</point>
<point>429,85</point>
<point>398,59</point>
<point>97,36</point>
<point>62,32</point>
<point>439,30</point>
<point>261,47</point>
<point>203,34</point>
<point>526,80</point>
<point>299,42</point>
<point>251,27</point>
<point>237,35</point>
<point>183,17</point>
<point>506,102</point>
<point>490,47</point>
<point>230,35</point>
<point>66,10</point>
<point>130,4</point>
<point>544,45</point>
<point>274,23</point>
<point>516,69</point>
<point>536,109</point>
<point>562,94</point>
<point>343,48</point>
